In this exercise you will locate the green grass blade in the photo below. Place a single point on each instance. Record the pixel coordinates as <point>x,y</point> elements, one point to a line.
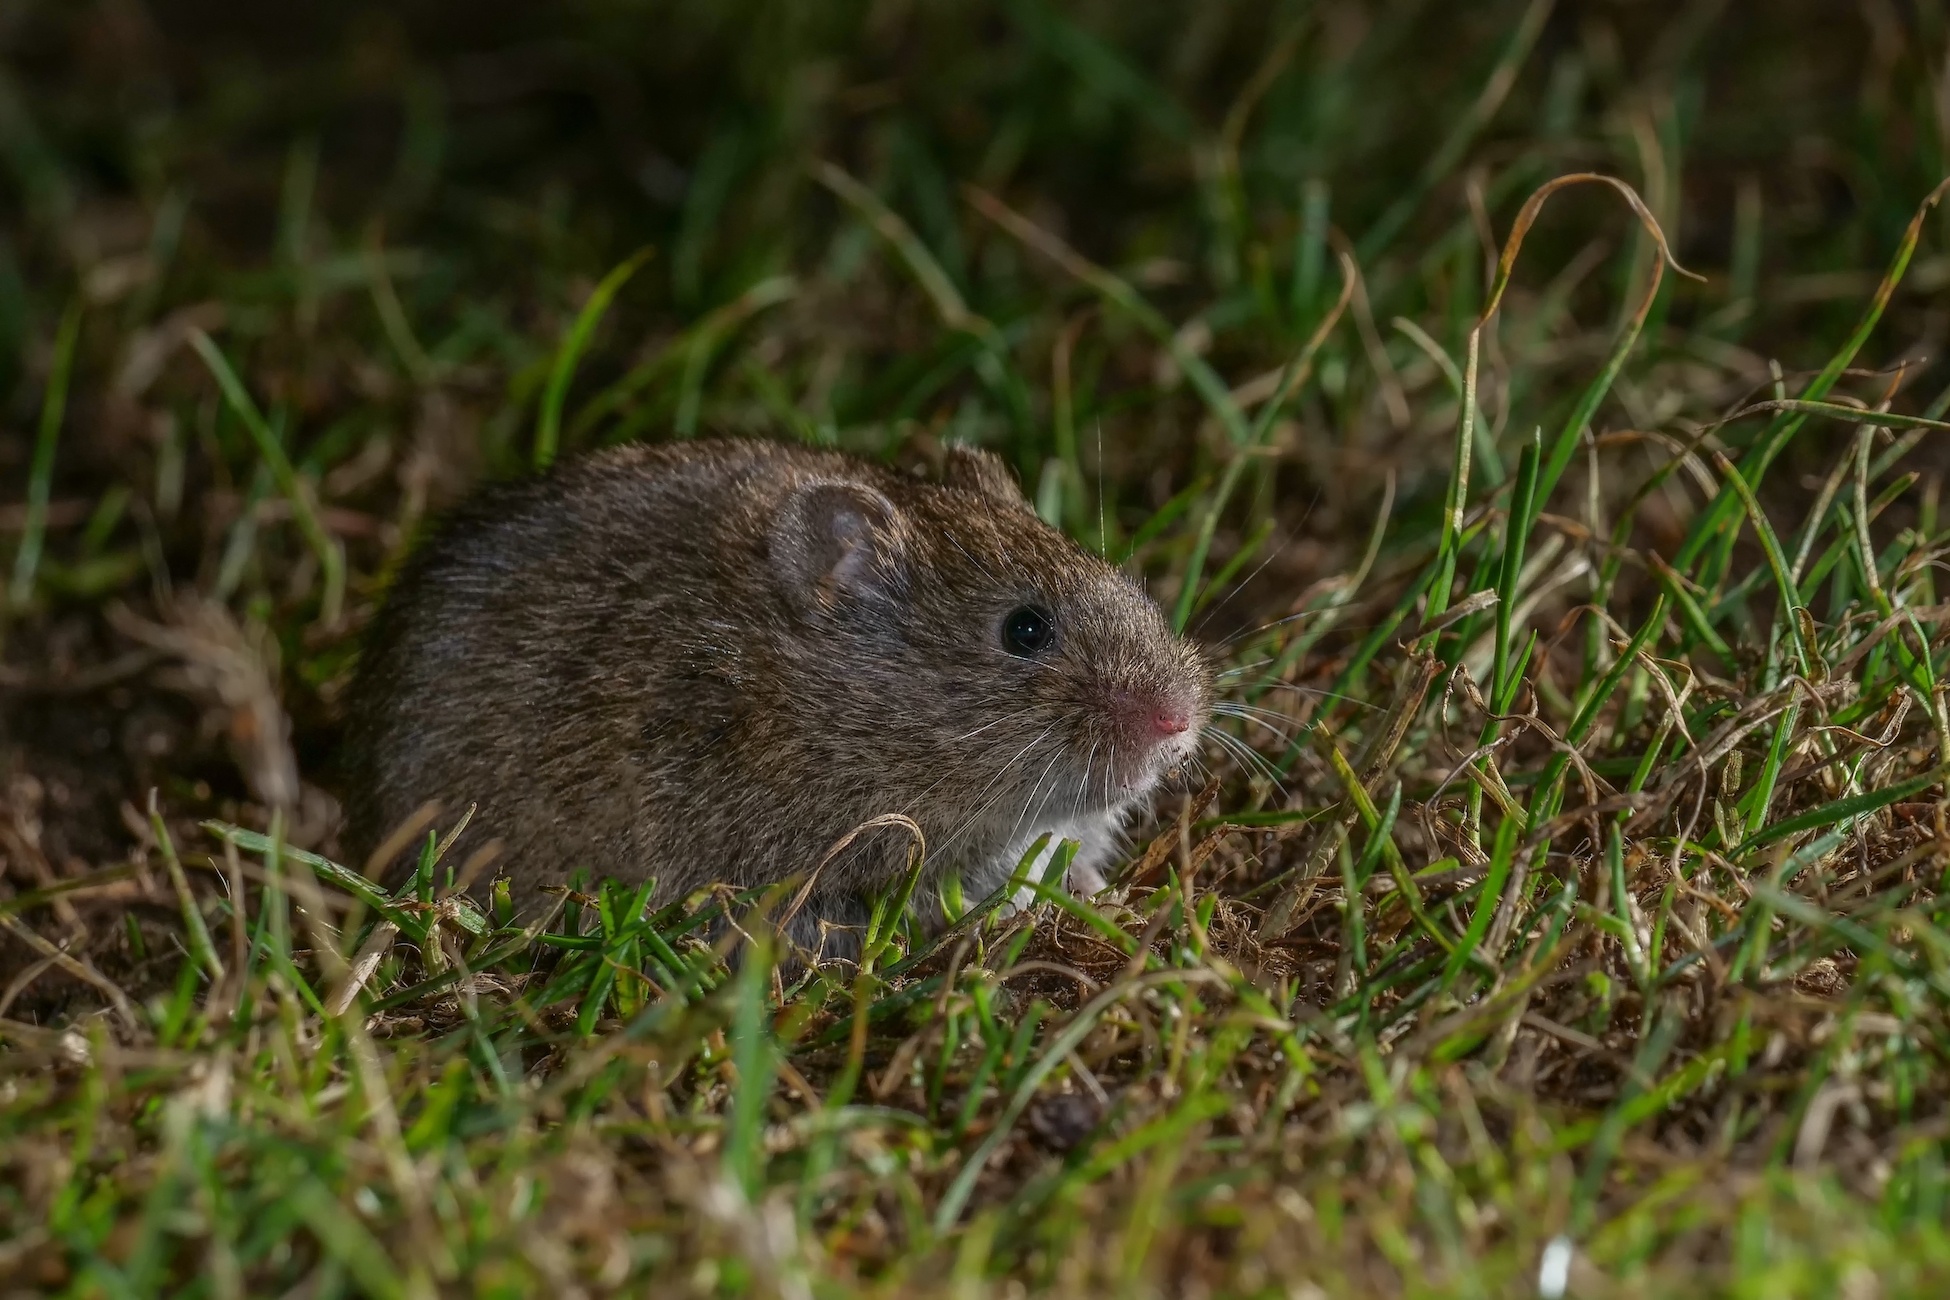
<point>753,1056</point>
<point>331,555</point>
<point>1839,810</point>
<point>548,424</point>
<point>40,476</point>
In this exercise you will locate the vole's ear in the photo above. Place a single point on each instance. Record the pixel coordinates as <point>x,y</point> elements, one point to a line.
<point>833,539</point>
<point>982,472</point>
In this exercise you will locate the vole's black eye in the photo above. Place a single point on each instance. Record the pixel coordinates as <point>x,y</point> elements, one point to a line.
<point>1028,632</point>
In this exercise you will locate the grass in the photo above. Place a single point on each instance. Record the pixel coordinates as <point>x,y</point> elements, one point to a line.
<point>1564,917</point>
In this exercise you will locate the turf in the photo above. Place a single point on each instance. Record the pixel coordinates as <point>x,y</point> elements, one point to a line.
<point>1534,408</point>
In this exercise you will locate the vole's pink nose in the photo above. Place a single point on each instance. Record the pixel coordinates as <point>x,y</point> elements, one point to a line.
<point>1151,718</point>
<point>1171,720</point>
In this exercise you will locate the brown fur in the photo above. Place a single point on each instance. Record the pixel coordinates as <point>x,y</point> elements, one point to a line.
<point>709,661</point>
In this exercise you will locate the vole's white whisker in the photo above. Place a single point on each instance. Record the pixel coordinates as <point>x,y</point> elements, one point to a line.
<point>953,770</point>
<point>986,803</point>
<point>1281,732</point>
<point>1238,587</point>
<point>1000,773</point>
<point>1016,757</point>
<point>1237,637</point>
<point>967,735</point>
<point>1030,802</point>
<point>1235,709</point>
<point>1314,692</point>
<point>1253,760</point>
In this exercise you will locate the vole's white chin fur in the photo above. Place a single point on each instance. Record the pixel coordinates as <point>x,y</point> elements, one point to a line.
<point>1099,839</point>
<point>1098,832</point>
<point>1176,750</point>
<point>1168,755</point>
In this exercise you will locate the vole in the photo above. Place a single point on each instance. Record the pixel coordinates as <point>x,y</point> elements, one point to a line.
<point>711,660</point>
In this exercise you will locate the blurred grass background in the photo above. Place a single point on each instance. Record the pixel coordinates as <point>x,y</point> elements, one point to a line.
<point>437,243</point>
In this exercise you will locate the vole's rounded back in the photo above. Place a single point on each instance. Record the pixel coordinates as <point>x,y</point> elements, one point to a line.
<point>709,661</point>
